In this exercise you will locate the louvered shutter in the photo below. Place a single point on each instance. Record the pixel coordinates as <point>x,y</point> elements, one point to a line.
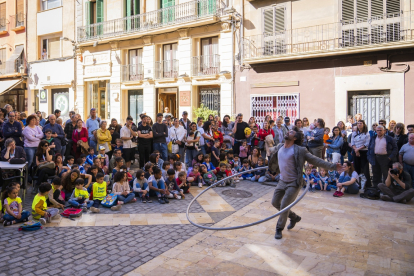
<point>347,10</point>
<point>280,19</point>
<point>88,12</point>
<point>99,11</point>
<point>2,11</point>
<point>377,7</point>
<point>362,9</point>
<point>268,20</point>
<point>19,6</point>
<point>136,8</point>
<point>393,6</point>
<point>128,8</point>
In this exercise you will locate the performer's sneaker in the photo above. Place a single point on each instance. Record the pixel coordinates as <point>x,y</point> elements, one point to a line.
<point>278,234</point>
<point>335,194</point>
<point>340,194</point>
<point>293,222</point>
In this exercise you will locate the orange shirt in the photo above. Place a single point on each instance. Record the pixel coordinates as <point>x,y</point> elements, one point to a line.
<point>325,138</point>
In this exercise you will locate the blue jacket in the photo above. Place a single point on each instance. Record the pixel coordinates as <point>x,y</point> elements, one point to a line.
<point>335,146</point>
<point>317,133</point>
<point>59,139</point>
<point>392,149</point>
<point>13,131</point>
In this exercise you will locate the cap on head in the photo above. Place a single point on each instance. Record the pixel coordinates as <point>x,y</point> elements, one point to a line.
<point>101,148</point>
<point>287,119</point>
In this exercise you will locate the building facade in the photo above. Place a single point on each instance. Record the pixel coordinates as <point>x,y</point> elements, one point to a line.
<point>51,56</point>
<point>327,59</point>
<point>13,63</point>
<point>145,55</point>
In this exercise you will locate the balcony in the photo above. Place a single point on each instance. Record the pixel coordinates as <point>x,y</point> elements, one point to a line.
<point>148,23</point>
<point>132,72</point>
<point>166,69</point>
<point>18,22</point>
<point>205,65</point>
<point>389,31</point>
<point>13,67</point>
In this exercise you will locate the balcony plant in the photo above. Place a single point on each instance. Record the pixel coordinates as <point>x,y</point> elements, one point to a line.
<point>203,112</point>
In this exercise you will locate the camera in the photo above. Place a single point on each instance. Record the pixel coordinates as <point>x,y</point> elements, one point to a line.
<point>174,141</point>
<point>394,171</point>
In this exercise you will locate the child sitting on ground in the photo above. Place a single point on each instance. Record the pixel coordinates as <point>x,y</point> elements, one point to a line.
<point>121,188</point>
<point>80,196</point>
<point>55,198</point>
<point>12,204</point>
<point>178,168</point>
<point>270,176</point>
<point>99,193</point>
<point>259,175</point>
<point>246,167</point>
<point>210,166</point>
<point>230,171</point>
<point>172,186</point>
<point>40,211</point>
<point>157,185</point>
<point>69,161</point>
<point>223,173</point>
<point>104,159</point>
<point>182,182</point>
<point>148,170</point>
<point>194,178</point>
<point>230,158</point>
<point>209,177</point>
<point>141,187</point>
<point>308,176</point>
<point>119,162</point>
<point>165,167</point>
<point>323,181</point>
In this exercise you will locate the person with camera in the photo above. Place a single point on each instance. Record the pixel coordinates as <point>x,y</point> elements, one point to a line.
<point>397,186</point>
<point>177,136</point>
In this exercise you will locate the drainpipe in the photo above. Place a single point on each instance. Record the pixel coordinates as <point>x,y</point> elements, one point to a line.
<point>75,64</point>
<point>232,64</point>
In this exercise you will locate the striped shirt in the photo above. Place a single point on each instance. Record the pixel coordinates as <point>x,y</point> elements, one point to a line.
<point>360,140</point>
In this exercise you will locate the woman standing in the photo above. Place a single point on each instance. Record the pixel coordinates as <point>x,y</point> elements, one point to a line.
<point>43,156</point>
<point>177,135</point>
<point>265,131</point>
<point>227,131</point>
<point>360,143</point>
<point>400,137</point>
<point>391,126</point>
<point>334,148</point>
<point>32,136</point>
<point>279,132</point>
<point>80,134</point>
<point>217,120</point>
<point>104,137</point>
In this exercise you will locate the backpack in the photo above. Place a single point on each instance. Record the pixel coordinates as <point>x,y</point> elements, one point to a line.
<point>30,226</point>
<point>344,148</point>
<point>371,193</point>
<point>109,200</point>
<point>72,213</point>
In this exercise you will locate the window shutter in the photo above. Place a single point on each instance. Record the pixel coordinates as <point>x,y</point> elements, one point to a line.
<point>377,7</point>
<point>167,3</point>
<point>136,7</point>
<point>268,21</point>
<point>362,9</point>
<point>99,11</point>
<point>347,10</point>
<point>280,19</point>
<point>128,8</point>
<point>88,12</point>
<point>54,47</point>
<point>2,10</point>
<point>393,6</point>
<point>19,6</point>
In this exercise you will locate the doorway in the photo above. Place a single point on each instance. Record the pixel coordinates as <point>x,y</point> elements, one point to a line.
<point>135,104</point>
<point>97,96</point>
<point>167,97</point>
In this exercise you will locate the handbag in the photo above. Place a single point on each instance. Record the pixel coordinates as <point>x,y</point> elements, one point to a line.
<point>48,165</point>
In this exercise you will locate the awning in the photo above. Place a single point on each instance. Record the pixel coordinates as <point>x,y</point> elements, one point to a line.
<point>7,85</point>
<point>11,61</point>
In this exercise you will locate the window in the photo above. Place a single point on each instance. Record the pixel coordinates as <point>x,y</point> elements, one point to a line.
<point>275,106</point>
<point>210,97</point>
<point>210,58</point>
<point>3,16</point>
<point>94,13</point>
<point>367,22</point>
<point>136,69</point>
<point>50,4</point>
<point>20,13</point>
<point>50,48</point>
<point>2,61</point>
<point>170,63</point>
<point>135,104</point>
<point>274,30</point>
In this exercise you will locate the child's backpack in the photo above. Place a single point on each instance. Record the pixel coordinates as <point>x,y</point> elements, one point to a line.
<point>109,200</point>
<point>30,226</point>
<point>72,213</point>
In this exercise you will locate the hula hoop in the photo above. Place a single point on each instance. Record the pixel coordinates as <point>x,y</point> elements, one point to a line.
<point>246,225</point>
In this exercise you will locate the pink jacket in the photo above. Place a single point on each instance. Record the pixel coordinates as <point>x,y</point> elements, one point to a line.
<point>119,188</point>
<point>32,136</point>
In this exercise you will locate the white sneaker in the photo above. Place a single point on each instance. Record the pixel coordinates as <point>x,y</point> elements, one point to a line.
<point>95,210</point>
<point>178,197</point>
<point>42,221</point>
<point>200,185</point>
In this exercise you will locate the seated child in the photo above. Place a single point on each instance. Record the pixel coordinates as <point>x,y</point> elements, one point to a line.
<point>332,177</point>
<point>178,168</point>
<point>157,185</point>
<point>13,207</point>
<point>230,171</point>
<point>40,211</point>
<point>270,176</point>
<point>230,158</point>
<point>172,186</point>
<point>80,196</point>
<point>308,176</point>
<point>104,159</point>
<point>209,177</point>
<point>148,170</point>
<point>223,159</point>
<point>129,176</point>
<point>91,156</point>
<point>223,173</point>
<point>119,144</point>
<point>194,178</point>
<point>237,163</point>
<point>119,162</point>
<point>246,167</point>
<point>69,161</point>
<point>55,198</point>
<point>121,188</point>
<point>165,167</point>
<point>259,175</point>
<point>99,193</point>
<point>322,183</point>
<point>141,187</point>
<point>182,182</point>
<point>210,166</point>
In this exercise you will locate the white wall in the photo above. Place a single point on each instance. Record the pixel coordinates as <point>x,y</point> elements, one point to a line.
<point>49,21</point>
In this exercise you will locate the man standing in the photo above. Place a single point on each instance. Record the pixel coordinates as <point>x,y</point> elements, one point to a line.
<point>160,133</point>
<point>186,121</point>
<point>397,187</point>
<point>69,128</point>
<point>280,132</point>
<point>57,133</point>
<point>71,113</point>
<point>239,134</point>
<point>381,151</point>
<point>92,124</point>
<point>13,129</point>
<point>144,141</point>
<point>386,131</point>
<point>410,129</point>
<point>126,135</point>
<point>406,157</point>
<point>288,161</point>
<point>287,124</point>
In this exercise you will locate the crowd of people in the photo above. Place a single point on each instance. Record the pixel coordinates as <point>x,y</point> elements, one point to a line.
<point>78,162</point>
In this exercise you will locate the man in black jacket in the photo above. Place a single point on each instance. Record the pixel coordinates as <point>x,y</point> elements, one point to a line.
<point>397,186</point>
<point>160,133</point>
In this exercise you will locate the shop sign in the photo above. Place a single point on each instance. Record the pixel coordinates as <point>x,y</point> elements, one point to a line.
<point>43,96</point>
<point>185,98</point>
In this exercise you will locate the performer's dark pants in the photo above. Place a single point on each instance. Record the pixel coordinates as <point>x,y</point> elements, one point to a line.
<point>285,194</point>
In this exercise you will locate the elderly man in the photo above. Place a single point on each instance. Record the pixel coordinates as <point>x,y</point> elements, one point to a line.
<point>406,156</point>
<point>69,128</point>
<point>92,124</point>
<point>11,151</point>
<point>280,132</point>
<point>397,187</point>
<point>13,129</point>
<point>57,133</point>
<point>381,151</point>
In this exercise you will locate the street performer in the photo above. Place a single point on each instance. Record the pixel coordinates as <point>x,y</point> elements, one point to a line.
<point>288,159</point>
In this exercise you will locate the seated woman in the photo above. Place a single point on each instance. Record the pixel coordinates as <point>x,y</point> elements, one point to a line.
<point>11,151</point>
<point>45,166</point>
<point>347,182</point>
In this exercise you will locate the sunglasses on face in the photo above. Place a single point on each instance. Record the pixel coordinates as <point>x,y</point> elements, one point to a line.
<point>142,175</point>
<point>45,146</point>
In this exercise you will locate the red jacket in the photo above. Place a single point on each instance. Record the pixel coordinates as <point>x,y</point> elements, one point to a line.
<point>263,133</point>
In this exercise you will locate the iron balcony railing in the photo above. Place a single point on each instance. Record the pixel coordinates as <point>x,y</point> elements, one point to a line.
<point>3,24</point>
<point>19,19</point>
<point>395,27</point>
<point>185,12</point>
<point>7,69</point>
<point>166,69</point>
<point>205,65</point>
<point>132,72</point>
